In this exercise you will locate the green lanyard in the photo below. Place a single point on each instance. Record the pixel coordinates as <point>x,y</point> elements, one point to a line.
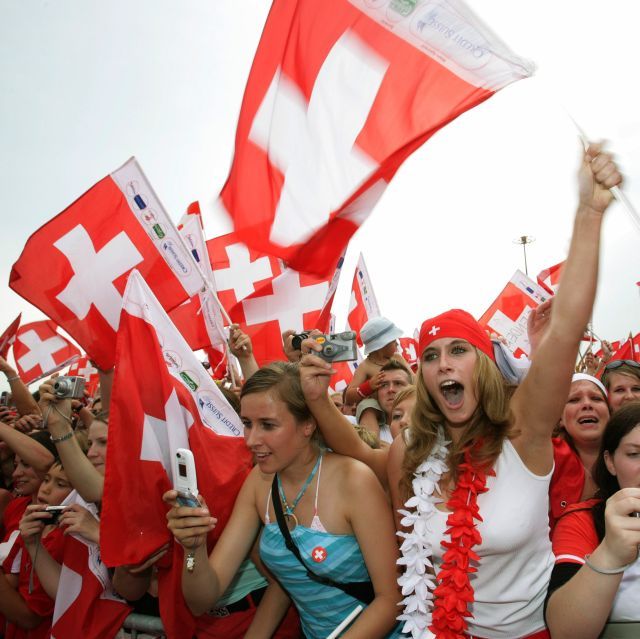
<point>289,509</point>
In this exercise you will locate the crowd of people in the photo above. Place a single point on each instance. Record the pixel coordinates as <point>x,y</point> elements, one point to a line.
<point>447,501</point>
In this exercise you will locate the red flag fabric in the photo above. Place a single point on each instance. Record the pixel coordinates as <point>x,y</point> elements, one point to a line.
<point>549,278</point>
<point>363,304</point>
<point>9,336</point>
<point>342,376</point>
<point>87,252</point>
<point>339,95</point>
<point>82,367</point>
<point>39,350</point>
<point>409,351</point>
<point>86,604</point>
<point>508,314</point>
<point>265,297</point>
<point>629,349</point>
<point>163,399</point>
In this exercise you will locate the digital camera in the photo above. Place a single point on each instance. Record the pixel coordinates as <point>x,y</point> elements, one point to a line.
<point>69,387</point>
<point>336,347</point>
<point>55,512</point>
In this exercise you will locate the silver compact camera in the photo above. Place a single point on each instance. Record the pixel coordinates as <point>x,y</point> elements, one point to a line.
<point>336,347</point>
<point>69,387</point>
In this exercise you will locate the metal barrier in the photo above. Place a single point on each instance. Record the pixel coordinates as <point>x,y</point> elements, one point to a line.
<point>146,624</point>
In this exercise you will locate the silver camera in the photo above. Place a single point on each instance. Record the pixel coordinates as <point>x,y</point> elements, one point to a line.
<point>336,347</point>
<point>69,387</point>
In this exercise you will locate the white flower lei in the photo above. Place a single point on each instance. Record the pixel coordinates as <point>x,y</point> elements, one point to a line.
<point>417,581</point>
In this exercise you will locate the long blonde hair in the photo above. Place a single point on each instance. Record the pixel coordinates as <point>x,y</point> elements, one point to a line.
<point>489,424</point>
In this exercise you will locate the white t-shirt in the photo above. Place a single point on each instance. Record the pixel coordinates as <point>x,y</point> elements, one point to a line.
<point>515,554</point>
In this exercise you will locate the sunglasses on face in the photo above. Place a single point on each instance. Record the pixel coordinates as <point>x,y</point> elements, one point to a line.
<point>611,366</point>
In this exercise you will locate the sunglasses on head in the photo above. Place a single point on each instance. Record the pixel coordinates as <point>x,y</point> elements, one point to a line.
<point>611,366</point>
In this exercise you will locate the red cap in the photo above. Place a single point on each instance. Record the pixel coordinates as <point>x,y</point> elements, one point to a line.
<point>458,324</point>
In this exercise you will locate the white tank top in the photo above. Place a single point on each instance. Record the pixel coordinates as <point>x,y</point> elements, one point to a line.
<point>625,605</point>
<point>515,554</point>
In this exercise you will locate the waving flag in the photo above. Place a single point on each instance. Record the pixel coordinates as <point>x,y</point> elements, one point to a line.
<point>39,350</point>
<point>265,297</point>
<point>86,604</point>
<point>508,314</point>
<point>363,304</point>
<point>342,376</point>
<point>163,399</point>
<point>82,367</point>
<point>549,278</point>
<point>409,351</point>
<point>339,95</point>
<point>88,250</point>
<point>9,336</point>
<point>628,349</point>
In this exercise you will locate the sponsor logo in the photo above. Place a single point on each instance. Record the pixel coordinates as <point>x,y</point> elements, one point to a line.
<point>188,379</point>
<point>157,229</point>
<point>149,217</point>
<point>172,359</point>
<point>443,30</point>
<point>211,415</point>
<point>176,258</point>
<point>403,7</point>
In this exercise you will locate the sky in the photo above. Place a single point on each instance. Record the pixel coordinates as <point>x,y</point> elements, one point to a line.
<point>86,84</point>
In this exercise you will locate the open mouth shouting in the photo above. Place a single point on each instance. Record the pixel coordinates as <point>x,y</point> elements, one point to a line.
<point>452,393</point>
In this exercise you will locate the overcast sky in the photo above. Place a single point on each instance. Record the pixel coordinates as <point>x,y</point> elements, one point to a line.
<point>85,84</point>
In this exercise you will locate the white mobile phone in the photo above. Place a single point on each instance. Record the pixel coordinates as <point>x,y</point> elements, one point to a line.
<point>184,469</point>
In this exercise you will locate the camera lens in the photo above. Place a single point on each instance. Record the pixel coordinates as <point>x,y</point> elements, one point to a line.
<point>61,388</point>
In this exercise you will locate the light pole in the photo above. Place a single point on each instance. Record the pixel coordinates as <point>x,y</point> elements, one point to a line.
<point>524,240</point>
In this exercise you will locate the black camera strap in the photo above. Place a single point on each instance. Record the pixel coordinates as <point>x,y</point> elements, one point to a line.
<point>360,590</point>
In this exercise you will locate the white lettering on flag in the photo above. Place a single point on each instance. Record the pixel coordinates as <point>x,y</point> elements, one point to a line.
<point>314,144</point>
<point>287,304</point>
<point>161,437</point>
<point>242,272</point>
<point>40,351</point>
<point>94,273</point>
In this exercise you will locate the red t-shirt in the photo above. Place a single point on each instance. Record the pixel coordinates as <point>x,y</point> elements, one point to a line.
<point>13,514</point>
<point>567,481</point>
<point>38,600</point>
<point>575,534</point>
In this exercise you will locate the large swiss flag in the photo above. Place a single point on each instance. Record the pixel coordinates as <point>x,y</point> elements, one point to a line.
<point>163,399</point>
<point>339,95</point>
<point>87,251</point>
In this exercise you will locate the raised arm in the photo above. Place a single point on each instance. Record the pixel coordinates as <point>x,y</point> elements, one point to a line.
<point>241,346</point>
<point>22,398</point>
<point>83,476</point>
<point>538,401</point>
<point>337,430</point>
<point>27,448</point>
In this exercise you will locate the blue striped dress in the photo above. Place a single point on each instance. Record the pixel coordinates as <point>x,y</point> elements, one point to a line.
<point>338,557</point>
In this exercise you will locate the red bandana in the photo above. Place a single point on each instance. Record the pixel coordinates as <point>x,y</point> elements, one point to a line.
<point>457,324</point>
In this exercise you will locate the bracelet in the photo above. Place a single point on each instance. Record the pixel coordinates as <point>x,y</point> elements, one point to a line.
<point>607,571</point>
<point>364,390</point>
<point>13,378</point>
<point>63,438</point>
<point>191,561</point>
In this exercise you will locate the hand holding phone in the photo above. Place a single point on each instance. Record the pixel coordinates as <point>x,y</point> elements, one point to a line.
<point>185,482</point>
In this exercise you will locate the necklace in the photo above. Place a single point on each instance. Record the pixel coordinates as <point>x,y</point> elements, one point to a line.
<point>289,515</point>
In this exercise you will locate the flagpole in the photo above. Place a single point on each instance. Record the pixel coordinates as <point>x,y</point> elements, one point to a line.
<point>615,190</point>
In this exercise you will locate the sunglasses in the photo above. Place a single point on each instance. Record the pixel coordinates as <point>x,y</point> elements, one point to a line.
<point>611,366</point>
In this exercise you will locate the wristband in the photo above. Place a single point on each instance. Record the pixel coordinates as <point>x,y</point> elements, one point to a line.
<point>191,560</point>
<point>63,438</point>
<point>607,571</point>
<point>13,378</point>
<point>364,390</point>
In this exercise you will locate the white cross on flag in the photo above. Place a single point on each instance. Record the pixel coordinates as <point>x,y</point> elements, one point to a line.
<point>9,336</point>
<point>39,350</point>
<point>86,603</point>
<point>266,298</point>
<point>88,250</point>
<point>363,304</point>
<point>162,399</point>
<point>342,376</point>
<point>82,368</point>
<point>549,278</point>
<point>339,95</point>
<point>508,314</point>
<point>408,349</point>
